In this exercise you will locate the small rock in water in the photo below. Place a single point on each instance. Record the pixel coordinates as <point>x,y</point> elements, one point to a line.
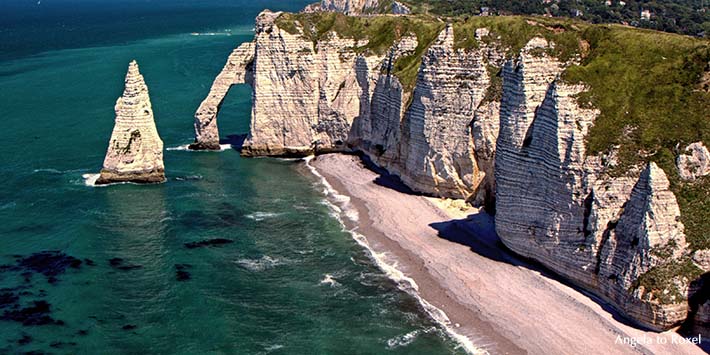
<point>82,332</point>
<point>129,327</point>
<point>208,242</point>
<point>49,263</point>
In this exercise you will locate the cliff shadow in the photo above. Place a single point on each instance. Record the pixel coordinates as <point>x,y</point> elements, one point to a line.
<point>236,141</point>
<point>385,178</point>
<point>477,232</point>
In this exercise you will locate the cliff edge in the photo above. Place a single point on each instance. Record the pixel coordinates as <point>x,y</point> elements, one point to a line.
<point>573,134</point>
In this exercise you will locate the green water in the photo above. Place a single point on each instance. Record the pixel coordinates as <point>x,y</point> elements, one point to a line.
<point>263,293</point>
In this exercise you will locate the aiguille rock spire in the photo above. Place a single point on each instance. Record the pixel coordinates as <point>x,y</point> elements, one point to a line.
<point>135,151</point>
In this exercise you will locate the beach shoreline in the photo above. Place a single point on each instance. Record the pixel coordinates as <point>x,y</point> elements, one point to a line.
<point>497,301</point>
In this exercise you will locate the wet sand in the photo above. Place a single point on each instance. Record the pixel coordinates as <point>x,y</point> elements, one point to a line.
<point>503,304</point>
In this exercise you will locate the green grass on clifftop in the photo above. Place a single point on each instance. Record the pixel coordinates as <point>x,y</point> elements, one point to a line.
<point>646,84</point>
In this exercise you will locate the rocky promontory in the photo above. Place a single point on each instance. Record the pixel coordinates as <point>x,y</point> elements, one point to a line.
<point>135,151</point>
<point>517,115</point>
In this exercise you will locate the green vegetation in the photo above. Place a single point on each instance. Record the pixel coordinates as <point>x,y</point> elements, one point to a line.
<point>660,278</point>
<point>691,17</point>
<point>380,31</point>
<point>646,84</point>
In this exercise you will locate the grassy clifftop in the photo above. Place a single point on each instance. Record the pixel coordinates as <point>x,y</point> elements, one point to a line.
<point>647,84</point>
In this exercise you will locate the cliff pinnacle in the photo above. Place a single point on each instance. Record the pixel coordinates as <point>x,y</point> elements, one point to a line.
<point>135,151</point>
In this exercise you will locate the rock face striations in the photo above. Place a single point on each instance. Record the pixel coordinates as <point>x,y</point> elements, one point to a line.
<point>135,151</point>
<point>360,7</point>
<point>490,121</point>
<point>236,71</point>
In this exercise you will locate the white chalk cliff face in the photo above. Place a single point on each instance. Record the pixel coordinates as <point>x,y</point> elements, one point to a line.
<point>524,153</point>
<point>236,71</point>
<point>135,151</point>
<point>358,7</point>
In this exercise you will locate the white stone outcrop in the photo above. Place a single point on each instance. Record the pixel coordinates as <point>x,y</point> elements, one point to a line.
<point>694,162</point>
<point>235,71</point>
<point>359,7</point>
<point>135,151</point>
<point>437,149</point>
<point>306,95</point>
<point>556,204</point>
<point>455,134</point>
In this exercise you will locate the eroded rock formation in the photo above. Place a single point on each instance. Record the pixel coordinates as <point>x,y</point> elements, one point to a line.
<point>360,7</point>
<point>236,71</point>
<point>135,151</point>
<point>518,146</point>
<point>694,162</point>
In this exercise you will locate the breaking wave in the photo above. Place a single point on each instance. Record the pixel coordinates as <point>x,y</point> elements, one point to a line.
<point>406,339</point>
<point>264,263</point>
<point>389,267</point>
<point>329,280</point>
<point>260,216</point>
<point>90,179</point>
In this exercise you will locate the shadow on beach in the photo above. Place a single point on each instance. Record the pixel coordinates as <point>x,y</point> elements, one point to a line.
<point>477,232</point>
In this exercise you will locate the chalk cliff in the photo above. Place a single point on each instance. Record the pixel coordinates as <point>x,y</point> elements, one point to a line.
<point>135,151</point>
<point>235,71</point>
<point>359,7</point>
<point>494,123</point>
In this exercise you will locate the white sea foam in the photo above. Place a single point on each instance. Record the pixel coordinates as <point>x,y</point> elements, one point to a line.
<point>210,34</point>
<point>53,171</point>
<point>329,280</point>
<point>180,147</point>
<point>264,263</point>
<point>389,267</point>
<point>408,338</point>
<point>271,348</point>
<point>12,204</point>
<point>90,179</point>
<point>328,190</point>
<point>260,216</point>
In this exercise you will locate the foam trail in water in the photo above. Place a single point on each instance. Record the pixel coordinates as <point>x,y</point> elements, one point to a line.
<point>331,193</point>
<point>260,216</point>
<point>329,280</point>
<point>210,34</point>
<point>390,269</point>
<point>261,264</point>
<point>181,147</point>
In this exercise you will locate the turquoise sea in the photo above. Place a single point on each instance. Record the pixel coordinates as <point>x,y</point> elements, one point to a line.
<point>112,269</point>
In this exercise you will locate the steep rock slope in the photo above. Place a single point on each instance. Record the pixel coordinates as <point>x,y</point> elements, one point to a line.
<point>236,71</point>
<point>135,151</point>
<point>450,107</point>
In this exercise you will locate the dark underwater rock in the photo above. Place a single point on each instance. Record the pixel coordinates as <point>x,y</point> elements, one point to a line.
<point>208,243</point>
<point>8,299</point>
<point>118,263</point>
<point>36,314</point>
<point>49,263</point>
<point>180,272</point>
<point>61,344</point>
<point>129,327</point>
<point>26,339</point>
